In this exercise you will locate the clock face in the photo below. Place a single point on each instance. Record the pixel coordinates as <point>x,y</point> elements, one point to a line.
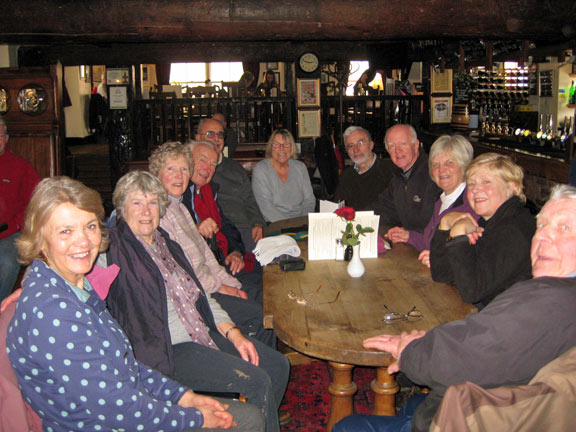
<point>309,62</point>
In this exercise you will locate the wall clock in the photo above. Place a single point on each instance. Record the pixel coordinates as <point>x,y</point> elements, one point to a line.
<point>308,62</point>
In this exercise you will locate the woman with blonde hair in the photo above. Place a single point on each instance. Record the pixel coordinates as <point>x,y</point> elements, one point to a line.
<point>281,183</point>
<point>74,364</point>
<point>483,258</point>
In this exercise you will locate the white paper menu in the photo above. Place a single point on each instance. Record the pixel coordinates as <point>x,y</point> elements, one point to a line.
<point>325,228</point>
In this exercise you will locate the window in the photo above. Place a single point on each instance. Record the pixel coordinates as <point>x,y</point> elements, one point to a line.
<point>357,68</point>
<point>196,74</point>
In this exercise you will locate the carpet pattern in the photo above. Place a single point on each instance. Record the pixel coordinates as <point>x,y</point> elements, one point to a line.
<point>308,400</point>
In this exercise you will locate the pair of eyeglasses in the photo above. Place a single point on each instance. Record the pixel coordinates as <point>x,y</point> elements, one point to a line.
<point>283,145</point>
<point>394,317</point>
<point>358,143</point>
<point>212,135</point>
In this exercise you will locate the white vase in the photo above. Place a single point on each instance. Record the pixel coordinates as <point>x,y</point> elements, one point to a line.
<point>355,267</point>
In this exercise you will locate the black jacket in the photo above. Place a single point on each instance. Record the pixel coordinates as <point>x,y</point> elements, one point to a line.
<point>499,259</point>
<point>408,203</point>
<point>137,298</point>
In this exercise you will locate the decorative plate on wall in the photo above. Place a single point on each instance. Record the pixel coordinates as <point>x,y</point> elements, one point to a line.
<point>4,100</point>
<point>32,99</point>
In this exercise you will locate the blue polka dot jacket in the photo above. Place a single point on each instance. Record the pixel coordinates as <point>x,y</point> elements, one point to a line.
<point>76,367</point>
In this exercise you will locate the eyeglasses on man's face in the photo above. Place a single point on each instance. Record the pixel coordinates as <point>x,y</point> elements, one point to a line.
<point>394,317</point>
<point>212,135</point>
<point>359,143</point>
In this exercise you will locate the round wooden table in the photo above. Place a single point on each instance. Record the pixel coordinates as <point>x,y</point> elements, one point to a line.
<point>324,313</point>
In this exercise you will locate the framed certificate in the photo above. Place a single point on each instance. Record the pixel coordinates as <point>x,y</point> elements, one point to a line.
<point>309,123</point>
<point>440,82</point>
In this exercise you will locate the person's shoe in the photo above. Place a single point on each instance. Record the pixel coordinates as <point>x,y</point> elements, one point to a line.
<point>284,417</point>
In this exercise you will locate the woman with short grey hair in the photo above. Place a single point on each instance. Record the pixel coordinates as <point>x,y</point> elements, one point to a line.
<point>172,324</point>
<point>449,157</point>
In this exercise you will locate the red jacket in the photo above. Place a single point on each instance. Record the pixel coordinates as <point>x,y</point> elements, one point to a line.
<point>18,178</point>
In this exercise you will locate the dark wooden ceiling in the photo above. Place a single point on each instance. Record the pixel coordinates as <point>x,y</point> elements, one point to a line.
<point>266,29</point>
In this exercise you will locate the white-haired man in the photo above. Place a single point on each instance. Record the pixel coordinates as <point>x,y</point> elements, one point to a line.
<point>235,194</point>
<point>520,331</point>
<point>409,199</point>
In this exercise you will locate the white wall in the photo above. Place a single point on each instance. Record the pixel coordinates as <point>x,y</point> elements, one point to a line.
<point>76,115</point>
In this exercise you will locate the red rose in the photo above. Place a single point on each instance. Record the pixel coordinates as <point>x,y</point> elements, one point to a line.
<point>347,213</point>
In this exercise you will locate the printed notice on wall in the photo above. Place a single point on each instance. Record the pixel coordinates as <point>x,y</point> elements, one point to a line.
<point>118,97</point>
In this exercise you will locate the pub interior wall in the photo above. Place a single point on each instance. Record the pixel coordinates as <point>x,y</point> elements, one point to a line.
<point>76,115</point>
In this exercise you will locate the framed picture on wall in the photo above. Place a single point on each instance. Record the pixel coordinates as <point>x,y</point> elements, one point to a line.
<point>441,109</point>
<point>440,82</point>
<point>272,66</point>
<point>308,92</point>
<point>309,123</point>
<point>98,74</point>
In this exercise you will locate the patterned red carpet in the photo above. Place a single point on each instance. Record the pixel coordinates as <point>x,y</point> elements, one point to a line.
<point>308,400</point>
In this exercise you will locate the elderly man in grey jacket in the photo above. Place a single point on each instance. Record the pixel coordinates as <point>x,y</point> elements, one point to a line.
<point>520,331</point>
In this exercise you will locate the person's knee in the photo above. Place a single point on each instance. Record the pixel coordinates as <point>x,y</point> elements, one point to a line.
<point>248,417</point>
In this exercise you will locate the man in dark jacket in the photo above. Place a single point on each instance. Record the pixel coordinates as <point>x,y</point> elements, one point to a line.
<point>361,184</point>
<point>221,234</point>
<point>409,199</point>
<point>520,331</point>
<point>235,195</point>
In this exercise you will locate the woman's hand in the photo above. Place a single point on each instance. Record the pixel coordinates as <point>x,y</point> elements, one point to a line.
<point>398,235</point>
<point>231,291</point>
<point>424,257</point>
<point>449,219</point>
<point>208,227</point>
<point>214,412</point>
<point>393,344</point>
<point>466,226</point>
<point>256,233</point>
<point>235,261</point>
<point>12,298</point>
<point>246,348</point>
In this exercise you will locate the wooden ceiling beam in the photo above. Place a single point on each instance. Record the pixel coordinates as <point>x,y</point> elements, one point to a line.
<point>179,21</point>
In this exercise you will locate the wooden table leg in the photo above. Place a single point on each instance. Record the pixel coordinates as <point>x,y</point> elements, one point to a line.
<point>385,389</point>
<point>341,389</point>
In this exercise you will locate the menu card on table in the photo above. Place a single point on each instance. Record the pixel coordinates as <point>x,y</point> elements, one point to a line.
<point>325,228</point>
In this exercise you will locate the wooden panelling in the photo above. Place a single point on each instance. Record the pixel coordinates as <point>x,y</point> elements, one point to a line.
<point>37,138</point>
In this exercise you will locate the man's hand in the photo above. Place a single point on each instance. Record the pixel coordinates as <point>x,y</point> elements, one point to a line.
<point>256,233</point>
<point>214,412</point>
<point>235,261</point>
<point>208,227</point>
<point>424,257</point>
<point>393,344</point>
<point>231,291</point>
<point>246,348</point>
<point>397,235</point>
<point>12,298</point>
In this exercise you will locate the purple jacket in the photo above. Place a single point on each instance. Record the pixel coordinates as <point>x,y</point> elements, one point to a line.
<point>421,241</point>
